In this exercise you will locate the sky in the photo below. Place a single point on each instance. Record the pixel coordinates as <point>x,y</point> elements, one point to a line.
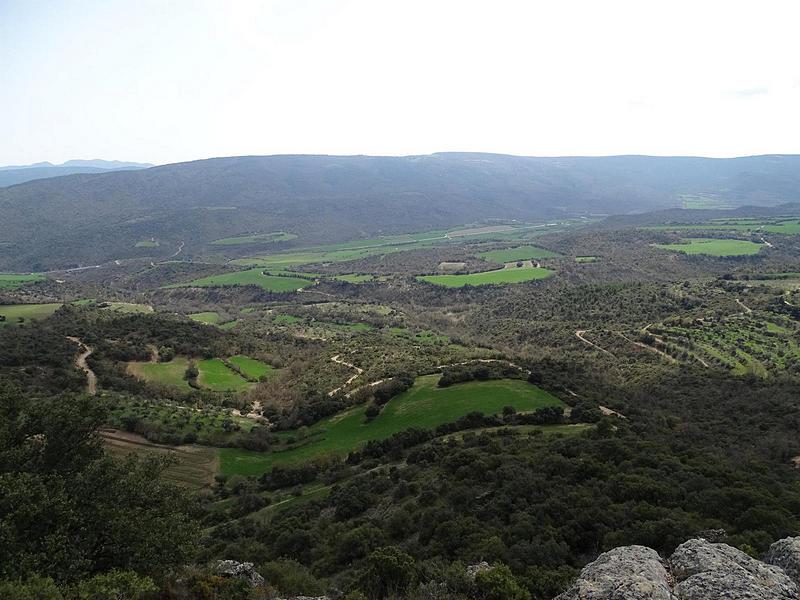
<point>168,81</point>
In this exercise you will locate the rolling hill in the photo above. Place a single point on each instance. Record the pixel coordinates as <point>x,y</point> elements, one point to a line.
<point>91,218</point>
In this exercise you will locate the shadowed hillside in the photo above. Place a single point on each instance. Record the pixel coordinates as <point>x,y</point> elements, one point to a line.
<point>91,218</point>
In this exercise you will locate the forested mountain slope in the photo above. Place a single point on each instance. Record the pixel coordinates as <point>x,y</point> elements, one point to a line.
<point>91,218</point>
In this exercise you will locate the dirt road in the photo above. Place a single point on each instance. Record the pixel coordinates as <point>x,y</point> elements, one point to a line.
<point>358,370</point>
<point>579,335</point>
<point>80,363</point>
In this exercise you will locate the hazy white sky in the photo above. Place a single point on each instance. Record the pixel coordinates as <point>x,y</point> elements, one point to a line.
<point>165,81</point>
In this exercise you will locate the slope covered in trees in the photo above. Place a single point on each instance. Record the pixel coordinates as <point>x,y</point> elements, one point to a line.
<point>84,219</point>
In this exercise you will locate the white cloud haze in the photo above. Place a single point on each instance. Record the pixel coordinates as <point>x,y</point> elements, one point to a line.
<point>166,81</point>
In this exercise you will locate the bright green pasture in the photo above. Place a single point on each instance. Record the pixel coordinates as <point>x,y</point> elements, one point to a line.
<point>256,238</point>
<point>713,247</point>
<point>519,253</point>
<point>164,373</point>
<point>12,281</point>
<point>425,406</point>
<point>252,368</point>
<point>272,283</point>
<point>216,376</point>
<point>27,312</point>
<point>208,317</point>
<point>499,276</point>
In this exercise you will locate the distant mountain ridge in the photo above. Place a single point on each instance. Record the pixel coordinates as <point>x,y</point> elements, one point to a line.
<point>16,174</point>
<point>97,217</point>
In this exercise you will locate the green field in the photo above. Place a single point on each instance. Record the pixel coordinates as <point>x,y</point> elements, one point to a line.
<point>216,376</point>
<point>12,281</point>
<point>713,247</point>
<point>163,373</point>
<point>424,406</point>
<point>517,253</point>
<point>782,226</point>
<point>256,238</point>
<point>500,276</point>
<point>356,249</point>
<point>271,283</point>
<point>27,312</point>
<point>146,244</point>
<point>252,368</point>
<point>208,317</point>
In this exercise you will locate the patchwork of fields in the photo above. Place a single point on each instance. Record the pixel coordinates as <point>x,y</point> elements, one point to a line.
<point>213,373</point>
<point>424,406</point>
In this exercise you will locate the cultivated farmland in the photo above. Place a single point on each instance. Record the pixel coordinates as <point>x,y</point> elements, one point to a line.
<point>256,238</point>
<point>19,313</point>
<point>257,276</point>
<point>216,376</point>
<point>518,253</point>
<point>194,466</point>
<point>713,247</point>
<point>499,276</point>
<point>208,317</point>
<point>12,281</point>
<point>163,373</point>
<point>424,406</point>
<point>250,367</point>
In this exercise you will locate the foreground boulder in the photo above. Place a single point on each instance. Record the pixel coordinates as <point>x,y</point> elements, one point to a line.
<point>785,554</point>
<point>626,573</point>
<point>237,570</point>
<point>697,570</point>
<point>705,570</point>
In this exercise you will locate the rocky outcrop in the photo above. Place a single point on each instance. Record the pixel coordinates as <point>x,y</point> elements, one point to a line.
<point>481,567</point>
<point>237,570</point>
<point>705,570</point>
<point>785,554</point>
<point>697,570</point>
<point>626,573</point>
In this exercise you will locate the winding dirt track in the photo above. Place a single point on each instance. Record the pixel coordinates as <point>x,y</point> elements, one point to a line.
<point>646,347</point>
<point>80,363</point>
<point>579,335</point>
<point>747,309</point>
<point>485,360</point>
<point>339,361</point>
